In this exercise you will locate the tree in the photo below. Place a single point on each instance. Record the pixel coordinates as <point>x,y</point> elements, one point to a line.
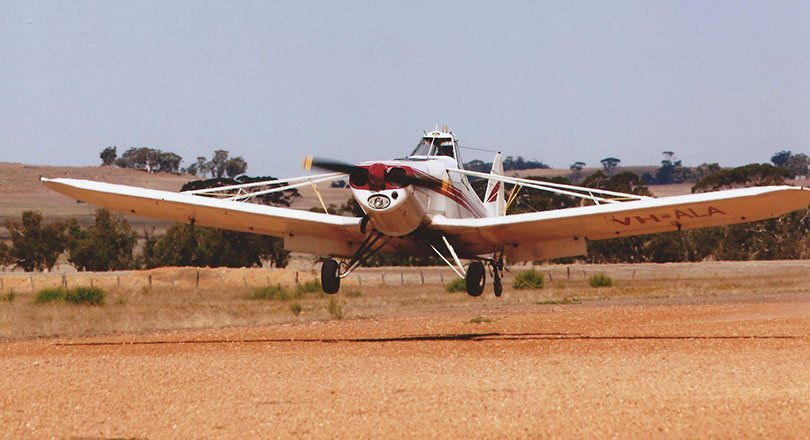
<point>5,254</point>
<point>754,174</point>
<point>108,156</point>
<point>798,165</point>
<point>781,158</point>
<point>671,170</point>
<point>105,245</point>
<point>217,164</point>
<point>235,166</point>
<point>704,170</point>
<point>610,163</point>
<point>283,198</point>
<point>189,245</point>
<point>625,182</point>
<point>198,168</point>
<point>168,162</point>
<point>150,159</point>
<point>35,245</point>
<point>577,168</point>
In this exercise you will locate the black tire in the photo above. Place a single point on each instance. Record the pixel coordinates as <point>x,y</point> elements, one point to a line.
<point>498,286</point>
<point>329,276</point>
<point>476,278</point>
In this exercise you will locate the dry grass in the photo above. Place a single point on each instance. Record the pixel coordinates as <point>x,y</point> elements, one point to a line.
<point>187,298</point>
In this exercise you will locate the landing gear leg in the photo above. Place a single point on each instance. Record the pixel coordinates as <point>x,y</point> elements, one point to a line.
<point>330,279</point>
<point>476,278</point>
<point>497,275</point>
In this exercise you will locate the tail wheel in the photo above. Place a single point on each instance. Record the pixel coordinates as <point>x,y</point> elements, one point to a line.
<point>329,276</point>
<point>476,278</point>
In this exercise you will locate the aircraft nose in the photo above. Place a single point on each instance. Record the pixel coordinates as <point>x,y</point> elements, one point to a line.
<point>376,177</point>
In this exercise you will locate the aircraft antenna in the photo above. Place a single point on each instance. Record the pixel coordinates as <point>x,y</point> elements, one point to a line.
<point>478,149</point>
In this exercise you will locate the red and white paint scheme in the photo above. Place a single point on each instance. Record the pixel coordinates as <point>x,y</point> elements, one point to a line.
<point>424,204</point>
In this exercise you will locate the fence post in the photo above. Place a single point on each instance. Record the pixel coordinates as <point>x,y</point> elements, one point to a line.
<point>197,280</point>
<point>64,280</point>
<point>401,278</point>
<point>150,281</point>
<point>422,276</point>
<point>31,278</point>
<point>568,272</point>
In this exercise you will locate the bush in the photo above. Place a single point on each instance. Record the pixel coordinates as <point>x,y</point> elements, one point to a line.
<point>528,279</point>
<point>296,308</point>
<point>189,245</point>
<point>34,244</point>
<point>8,296</point>
<point>271,292</point>
<point>78,295</point>
<point>105,245</point>
<point>334,309</point>
<point>457,285</point>
<point>49,295</point>
<point>85,295</point>
<point>310,286</point>
<point>600,280</point>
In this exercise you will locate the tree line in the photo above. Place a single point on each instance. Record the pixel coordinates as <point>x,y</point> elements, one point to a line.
<point>154,160</point>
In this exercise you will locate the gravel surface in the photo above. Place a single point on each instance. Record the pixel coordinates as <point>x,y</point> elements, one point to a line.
<point>714,367</point>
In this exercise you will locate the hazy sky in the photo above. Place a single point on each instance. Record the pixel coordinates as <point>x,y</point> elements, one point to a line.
<point>562,81</point>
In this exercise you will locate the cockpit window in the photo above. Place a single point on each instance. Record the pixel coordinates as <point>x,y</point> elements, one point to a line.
<point>431,146</point>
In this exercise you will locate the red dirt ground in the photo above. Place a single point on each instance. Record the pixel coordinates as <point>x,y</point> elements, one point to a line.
<point>710,367</point>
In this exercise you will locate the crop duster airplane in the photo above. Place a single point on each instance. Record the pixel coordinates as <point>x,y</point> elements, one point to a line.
<point>424,204</point>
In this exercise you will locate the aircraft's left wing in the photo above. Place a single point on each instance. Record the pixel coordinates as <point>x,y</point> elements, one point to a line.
<point>563,232</point>
<point>303,231</point>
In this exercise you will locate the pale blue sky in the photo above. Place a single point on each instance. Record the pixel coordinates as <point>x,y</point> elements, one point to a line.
<point>562,81</point>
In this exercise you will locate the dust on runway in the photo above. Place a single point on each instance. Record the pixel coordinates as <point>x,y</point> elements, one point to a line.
<point>710,367</point>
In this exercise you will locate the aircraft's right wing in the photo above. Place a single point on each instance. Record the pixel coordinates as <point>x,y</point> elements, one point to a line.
<point>303,231</point>
<point>563,232</point>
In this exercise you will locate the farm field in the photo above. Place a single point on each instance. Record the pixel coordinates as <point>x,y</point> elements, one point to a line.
<point>674,349</point>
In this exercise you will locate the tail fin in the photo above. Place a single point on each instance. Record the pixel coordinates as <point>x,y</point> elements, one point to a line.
<point>494,197</point>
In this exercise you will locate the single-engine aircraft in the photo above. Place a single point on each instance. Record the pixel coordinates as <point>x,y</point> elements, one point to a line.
<point>423,204</point>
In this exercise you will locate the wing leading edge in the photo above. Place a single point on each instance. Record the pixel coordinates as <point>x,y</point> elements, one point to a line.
<point>302,231</point>
<point>559,233</point>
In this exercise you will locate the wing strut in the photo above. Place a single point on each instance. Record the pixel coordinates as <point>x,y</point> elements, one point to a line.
<point>559,188</point>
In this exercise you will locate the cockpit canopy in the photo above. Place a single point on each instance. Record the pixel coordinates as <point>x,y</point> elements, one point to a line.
<point>436,144</point>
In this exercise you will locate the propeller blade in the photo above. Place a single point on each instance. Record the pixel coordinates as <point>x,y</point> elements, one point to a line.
<point>361,174</point>
<point>328,164</point>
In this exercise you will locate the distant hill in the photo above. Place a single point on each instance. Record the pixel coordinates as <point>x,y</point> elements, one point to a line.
<point>21,190</point>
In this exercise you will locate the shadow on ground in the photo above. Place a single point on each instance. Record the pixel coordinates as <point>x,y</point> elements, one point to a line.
<point>494,336</point>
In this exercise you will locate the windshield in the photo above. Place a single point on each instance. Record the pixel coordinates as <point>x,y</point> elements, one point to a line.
<point>434,146</point>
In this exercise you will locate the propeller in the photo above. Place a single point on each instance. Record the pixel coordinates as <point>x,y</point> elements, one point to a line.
<point>375,175</point>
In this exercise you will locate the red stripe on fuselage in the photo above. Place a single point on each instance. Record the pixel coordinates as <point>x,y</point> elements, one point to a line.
<point>452,192</point>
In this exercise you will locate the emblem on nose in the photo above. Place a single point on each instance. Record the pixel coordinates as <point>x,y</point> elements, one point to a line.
<point>379,201</point>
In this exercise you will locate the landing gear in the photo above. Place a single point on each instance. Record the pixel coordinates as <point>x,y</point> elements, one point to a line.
<point>330,279</point>
<point>476,278</point>
<point>332,271</point>
<point>497,275</point>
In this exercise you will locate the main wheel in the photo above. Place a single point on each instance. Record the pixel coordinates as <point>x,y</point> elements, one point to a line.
<point>476,278</point>
<point>329,276</point>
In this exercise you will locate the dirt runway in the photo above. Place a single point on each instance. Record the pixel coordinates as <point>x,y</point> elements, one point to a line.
<point>718,367</point>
